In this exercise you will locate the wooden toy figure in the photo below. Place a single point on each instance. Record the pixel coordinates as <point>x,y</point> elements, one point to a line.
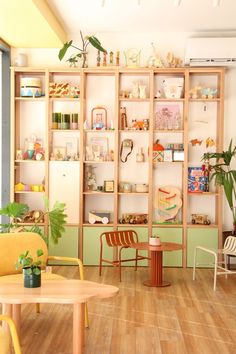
<point>117,58</point>
<point>111,58</point>
<point>98,58</point>
<point>104,59</point>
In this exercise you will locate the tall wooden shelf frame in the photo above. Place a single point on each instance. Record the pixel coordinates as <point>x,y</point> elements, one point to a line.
<point>116,74</point>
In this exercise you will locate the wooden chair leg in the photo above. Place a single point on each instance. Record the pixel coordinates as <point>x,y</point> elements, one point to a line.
<point>136,260</point>
<point>37,308</point>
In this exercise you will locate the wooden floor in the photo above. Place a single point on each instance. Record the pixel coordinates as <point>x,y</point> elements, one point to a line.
<point>186,317</point>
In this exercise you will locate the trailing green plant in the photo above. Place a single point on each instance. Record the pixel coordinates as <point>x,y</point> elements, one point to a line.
<point>224,175</point>
<point>17,211</point>
<point>31,266</point>
<point>82,52</point>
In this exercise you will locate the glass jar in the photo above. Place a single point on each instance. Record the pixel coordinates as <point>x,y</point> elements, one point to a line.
<point>74,121</point>
<point>65,121</point>
<point>55,121</point>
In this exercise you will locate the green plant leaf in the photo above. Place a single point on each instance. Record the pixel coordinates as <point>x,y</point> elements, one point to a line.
<point>57,221</point>
<point>96,43</point>
<point>39,252</point>
<point>64,49</point>
<point>14,210</point>
<point>36,271</point>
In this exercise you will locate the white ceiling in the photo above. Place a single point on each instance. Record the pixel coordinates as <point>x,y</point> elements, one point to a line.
<point>149,16</point>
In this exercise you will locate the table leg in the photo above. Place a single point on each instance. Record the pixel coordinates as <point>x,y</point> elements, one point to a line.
<point>78,328</point>
<point>156,270</point>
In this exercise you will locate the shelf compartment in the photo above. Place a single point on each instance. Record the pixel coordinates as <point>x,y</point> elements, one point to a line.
<point>133,193</point>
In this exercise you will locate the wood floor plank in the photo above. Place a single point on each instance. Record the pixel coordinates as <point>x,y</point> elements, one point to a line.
<point>187,317</point>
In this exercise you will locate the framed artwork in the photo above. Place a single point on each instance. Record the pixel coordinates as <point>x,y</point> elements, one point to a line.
<point>99,144</point>
<point>59,153</point>
<point>99,118</point>
<point>108,186</point>
<point>71,146</point>
<point>168,117</point>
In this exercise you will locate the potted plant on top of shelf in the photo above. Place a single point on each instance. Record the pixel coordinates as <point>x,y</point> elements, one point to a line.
<point>82,52</point>
<point>18,211</point>
<point>224,175</point>
<point>31,269</point>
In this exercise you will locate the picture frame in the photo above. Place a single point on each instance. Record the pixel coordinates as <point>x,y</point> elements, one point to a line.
<point>109,186</point>
<point>71,146</point>
<point>100,147</point>
<point>99,118</point>
<point>59,153</point>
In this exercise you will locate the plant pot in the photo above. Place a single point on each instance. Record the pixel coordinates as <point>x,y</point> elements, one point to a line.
<point>31,280</point>
<point>154,241</point>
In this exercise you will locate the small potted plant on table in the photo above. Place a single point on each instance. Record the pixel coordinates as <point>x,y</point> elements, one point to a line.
<point>154,240</point>
<point>31,269</point>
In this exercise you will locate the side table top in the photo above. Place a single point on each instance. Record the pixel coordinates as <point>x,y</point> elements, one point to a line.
<point>164,246</point>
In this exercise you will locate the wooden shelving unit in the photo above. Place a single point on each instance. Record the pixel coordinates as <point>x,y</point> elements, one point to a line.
<point>65,180</point>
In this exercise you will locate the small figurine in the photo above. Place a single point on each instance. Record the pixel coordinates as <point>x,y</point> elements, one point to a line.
<point>104,63</point>
<point>173,62</point>
<point>98,58</point>
<point>210,142</point>
<point>118,58</point>
<point>195,142</point>
<point>111,58</point>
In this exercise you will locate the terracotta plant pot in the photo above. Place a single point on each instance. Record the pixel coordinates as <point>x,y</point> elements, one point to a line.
<point>31,280</point>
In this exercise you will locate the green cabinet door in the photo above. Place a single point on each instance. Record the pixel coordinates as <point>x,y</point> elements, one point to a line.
<point>67,245</point>
<point>129,252</point>
<point>172,258</point>
<point>91,245</point>
<point>206,237</point>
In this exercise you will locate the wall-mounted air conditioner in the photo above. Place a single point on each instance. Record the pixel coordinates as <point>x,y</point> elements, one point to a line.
<point>211,52</point>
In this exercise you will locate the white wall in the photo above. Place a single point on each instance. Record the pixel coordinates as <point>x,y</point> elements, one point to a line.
<point>164,42</point>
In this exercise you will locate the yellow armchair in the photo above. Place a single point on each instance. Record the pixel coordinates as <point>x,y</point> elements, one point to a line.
<point>5,340</point>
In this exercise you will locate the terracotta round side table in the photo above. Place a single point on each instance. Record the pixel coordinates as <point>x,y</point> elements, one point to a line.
<point>156,255</point>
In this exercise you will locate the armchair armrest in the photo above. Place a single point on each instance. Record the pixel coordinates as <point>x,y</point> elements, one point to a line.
<point>71,260</point>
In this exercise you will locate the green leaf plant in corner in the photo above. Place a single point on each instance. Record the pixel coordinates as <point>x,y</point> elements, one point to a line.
<point>18,213</point>
<point>224,175</point>
<point>82,52</point>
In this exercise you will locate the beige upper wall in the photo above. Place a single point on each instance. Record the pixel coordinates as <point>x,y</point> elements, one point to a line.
<point>30,23</point>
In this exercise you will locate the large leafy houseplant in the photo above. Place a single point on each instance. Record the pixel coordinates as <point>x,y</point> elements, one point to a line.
<point>82,52</point>
<point>225,176</point>
<point>17,211</point>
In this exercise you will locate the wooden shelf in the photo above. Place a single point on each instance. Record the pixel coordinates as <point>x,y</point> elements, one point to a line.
<point>97,225</point>
<point>65,130</point>
<point>93,162</point>
<point>39,99</point>
<point>198,194</point>
<point>169,99</point>
<point>67,181</point>
<point>168,131</point>
<point>97,193</point>
<point>134,99</point>
<point>133,193</point>
<point>130,226</point>
<point>60,99</point>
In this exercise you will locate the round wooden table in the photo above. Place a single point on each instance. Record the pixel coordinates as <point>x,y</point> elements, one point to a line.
<point>156,253</point>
